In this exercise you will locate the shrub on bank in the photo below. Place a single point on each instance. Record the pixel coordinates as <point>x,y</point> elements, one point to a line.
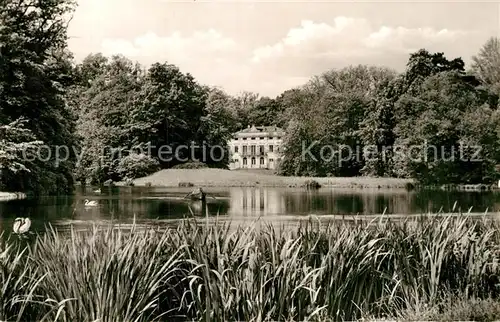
<point>136,166</point>
<point>312,184</point>
<point>409,186</point>
<point>221,273</point>
<point>191,165</point>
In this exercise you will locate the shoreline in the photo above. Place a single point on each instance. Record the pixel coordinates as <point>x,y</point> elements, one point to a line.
<point>241,178</point>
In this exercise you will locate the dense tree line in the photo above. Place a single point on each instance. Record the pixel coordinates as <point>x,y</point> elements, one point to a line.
<point>132,121</point>
<point>434,122</point>
<point>120,120</point>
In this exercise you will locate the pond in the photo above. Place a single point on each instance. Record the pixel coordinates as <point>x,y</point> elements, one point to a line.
<point>154,204</point>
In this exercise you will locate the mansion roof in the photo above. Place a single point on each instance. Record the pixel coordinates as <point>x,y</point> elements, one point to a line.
<point>261,130</point>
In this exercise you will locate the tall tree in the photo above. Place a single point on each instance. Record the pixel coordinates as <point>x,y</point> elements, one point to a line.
<point>104,102</point>
<point>243,104</point>
<point>447,133</point>
<point>170,105</point>
<point>301,132</point>
<point>34,73</point>
<point>423,64</point>
<point>217,124</point>
<point>382,115</point>
<point>486,65</point>
<point>331,113</point>
<point>377,131</point>
<point>90,69</point>
<point>265,111</point>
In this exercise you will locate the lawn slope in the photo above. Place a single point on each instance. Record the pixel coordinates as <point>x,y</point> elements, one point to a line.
<point>242,178</point>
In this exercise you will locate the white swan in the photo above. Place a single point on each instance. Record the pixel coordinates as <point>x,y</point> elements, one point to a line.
<point>92,203</point>
<point>97,191</point>
<point>21,225</point>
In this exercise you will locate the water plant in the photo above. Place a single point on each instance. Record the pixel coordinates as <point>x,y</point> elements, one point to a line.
<point>431,267</point>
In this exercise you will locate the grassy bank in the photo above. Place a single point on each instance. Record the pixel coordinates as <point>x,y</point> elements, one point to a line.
<point>439,268</point>
<point>243,178</point>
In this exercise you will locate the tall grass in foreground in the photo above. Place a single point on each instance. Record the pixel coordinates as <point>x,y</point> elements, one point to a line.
<point>428,268</point>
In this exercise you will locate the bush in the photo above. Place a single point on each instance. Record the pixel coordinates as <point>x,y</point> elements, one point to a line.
<point>136,166</point>
<point>191,165</point>
<point>109,183</point>
<point>312,184</point>
<point>409,186</point>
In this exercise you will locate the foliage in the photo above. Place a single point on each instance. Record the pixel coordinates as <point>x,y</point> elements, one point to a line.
<point>166,99</point>
<point>104,109</point>
<point>365,120</point>
<point>103,105</point>
<point>266,111</point>
<point>191,165</point>
<point>136,165</point>
<point>486,65</point>
<point>215,130</point>
<point>450,120</point>
<point>35,70</point>
<point>17,147</point>
<point>340,271</point>
<point>423,64</point>
<point>326,115</point>
<point>377,131</point>
<point>162,110</point>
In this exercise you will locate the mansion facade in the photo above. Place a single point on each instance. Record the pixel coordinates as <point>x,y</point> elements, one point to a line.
<point>256,147</point>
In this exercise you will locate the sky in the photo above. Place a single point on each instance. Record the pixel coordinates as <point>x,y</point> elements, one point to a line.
<point>268,47</point>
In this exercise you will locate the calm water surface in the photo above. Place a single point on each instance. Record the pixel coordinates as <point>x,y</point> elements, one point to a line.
<point>153,204</point>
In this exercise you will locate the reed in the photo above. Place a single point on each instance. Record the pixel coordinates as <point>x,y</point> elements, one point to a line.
<point>423,268</point>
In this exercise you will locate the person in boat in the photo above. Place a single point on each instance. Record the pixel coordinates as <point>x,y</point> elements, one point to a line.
<point>197,194</point>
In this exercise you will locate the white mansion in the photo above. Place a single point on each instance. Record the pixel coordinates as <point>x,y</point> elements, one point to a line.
<point>256,147</point>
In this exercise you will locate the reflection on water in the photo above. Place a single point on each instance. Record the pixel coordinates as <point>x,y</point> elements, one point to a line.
<point>272,201</point>
<point>149,204</point>
<point>256,201</point>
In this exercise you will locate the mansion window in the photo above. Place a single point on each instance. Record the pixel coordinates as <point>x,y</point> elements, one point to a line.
<point>271,148</point>
<point>261,161</point>
<point>235,149</point>
<point>253,160</point>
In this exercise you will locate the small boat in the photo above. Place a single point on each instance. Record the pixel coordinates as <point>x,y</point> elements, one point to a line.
<point>97,191</point>
<point>21,225</point>
<point>197,194</point>
<point>92,203</point>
